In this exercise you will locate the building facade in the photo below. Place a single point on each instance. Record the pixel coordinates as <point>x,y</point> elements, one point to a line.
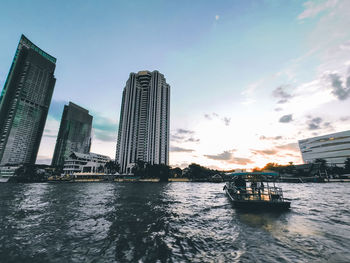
<point>85,163</point>
<point>24,103</point>
<point>144,121</point>
<point>334,148</point>
<point>74,134</point>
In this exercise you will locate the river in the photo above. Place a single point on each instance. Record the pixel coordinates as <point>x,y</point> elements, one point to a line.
<point>169,222</point>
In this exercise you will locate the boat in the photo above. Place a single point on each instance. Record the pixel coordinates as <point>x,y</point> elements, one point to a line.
<point>6,173</point>
<point>256,195</point>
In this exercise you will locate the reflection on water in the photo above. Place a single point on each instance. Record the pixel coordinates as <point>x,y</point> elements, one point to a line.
<point>175,222</point>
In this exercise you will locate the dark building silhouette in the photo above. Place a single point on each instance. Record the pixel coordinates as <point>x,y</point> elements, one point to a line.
<point>144,121</point>
<point>74,134</point>
<point>24,103</point>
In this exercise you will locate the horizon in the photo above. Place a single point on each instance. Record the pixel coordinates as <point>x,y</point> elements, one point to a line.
<point>248,79</point>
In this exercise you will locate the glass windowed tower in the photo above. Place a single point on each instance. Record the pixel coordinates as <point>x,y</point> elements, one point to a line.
<point>24,103</point>
<point>144,121</point>
<point>74,134</point>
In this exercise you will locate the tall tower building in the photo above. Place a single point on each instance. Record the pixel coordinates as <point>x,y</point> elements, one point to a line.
<point>144,121</point>
<point>74,134</point>
<point>24,103</point>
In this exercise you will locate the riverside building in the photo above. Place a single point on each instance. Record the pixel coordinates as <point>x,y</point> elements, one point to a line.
<point>334,148</point>
<point>24,103</point>
<point>85,163</point>
<point>144,121</point>
<point>74,134</point>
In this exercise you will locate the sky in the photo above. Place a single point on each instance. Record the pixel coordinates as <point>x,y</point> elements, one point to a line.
<point>248,78</point>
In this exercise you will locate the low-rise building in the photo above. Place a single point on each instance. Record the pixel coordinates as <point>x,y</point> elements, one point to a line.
<point>334,148</point>
<point>85,163</point>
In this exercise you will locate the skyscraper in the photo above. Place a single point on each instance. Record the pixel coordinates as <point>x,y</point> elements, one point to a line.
<point>144,121</point>
<point>74,134</point>
<point>24,103</point>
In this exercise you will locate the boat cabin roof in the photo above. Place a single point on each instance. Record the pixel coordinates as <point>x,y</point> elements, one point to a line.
<point>254,176</point>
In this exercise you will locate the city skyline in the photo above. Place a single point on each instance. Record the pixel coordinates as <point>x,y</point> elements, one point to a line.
<point>249,78</point>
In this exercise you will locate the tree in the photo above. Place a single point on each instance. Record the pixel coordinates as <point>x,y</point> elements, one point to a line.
<point>29,173</point>
<point>139,169</point>
<point>195,171</point>
<point>176,172</point>
<point>112,167</point>
<point>322,163</point>
<point>256,169</point>
<point>347,165</point>
<point>100,169</point>
<point>271,166</point>
<point>290,168</point>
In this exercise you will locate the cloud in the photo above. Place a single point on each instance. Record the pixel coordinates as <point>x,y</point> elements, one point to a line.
<point>340,91</point>
<point>217,17</point>
<point>278,109</point>
<point>104,124</point>
<point>105,129</point>
<point>224,156</point>
<point>183,131</point>
<point>345,118</point>
<point>262,137</point>
<point>289,146</point>
<point>313,8</point>
<point>240,161</point>
<point>345,46</point>
<point>227,121</point>
<point>179,149</point>
<point>105,136</point>
<point>183,135</point>
<point>328,125</point>
<point>227,156</point>
<point>281,94</point>
<point>286,118</point>
<point>192,140</point>
<point>214,115</point>
<point>175,137</point>
<point>265,152</point>
<point>314,123</point>
<point>207,116</point>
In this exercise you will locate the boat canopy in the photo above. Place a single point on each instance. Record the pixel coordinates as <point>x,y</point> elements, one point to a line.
<point>252,174</point>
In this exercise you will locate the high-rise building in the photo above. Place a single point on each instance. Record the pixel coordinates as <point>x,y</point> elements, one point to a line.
<point>334,148</point>
<point>144,121</point>
<point>74,134</point>
<point>24,103</point>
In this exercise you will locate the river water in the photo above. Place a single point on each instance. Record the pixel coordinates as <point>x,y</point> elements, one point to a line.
<point>169,222</point>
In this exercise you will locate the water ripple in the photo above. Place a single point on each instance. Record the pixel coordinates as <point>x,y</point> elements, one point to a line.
<point>175,222</point>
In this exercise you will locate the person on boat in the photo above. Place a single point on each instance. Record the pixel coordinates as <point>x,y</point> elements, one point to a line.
<point>253,186</point>
<point>240,184</point>
<point>262,186</point>
<point>261,189</point>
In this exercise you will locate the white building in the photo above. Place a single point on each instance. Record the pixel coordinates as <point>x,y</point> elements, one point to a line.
<point>85,163</point>
<point>144,121</point>
<point>6,172</point>
<point>334,148</point>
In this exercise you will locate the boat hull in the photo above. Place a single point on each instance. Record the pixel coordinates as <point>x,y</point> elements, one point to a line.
<point>4,179</point>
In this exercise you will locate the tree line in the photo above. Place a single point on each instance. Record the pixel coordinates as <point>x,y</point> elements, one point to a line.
<point>318,166</point>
